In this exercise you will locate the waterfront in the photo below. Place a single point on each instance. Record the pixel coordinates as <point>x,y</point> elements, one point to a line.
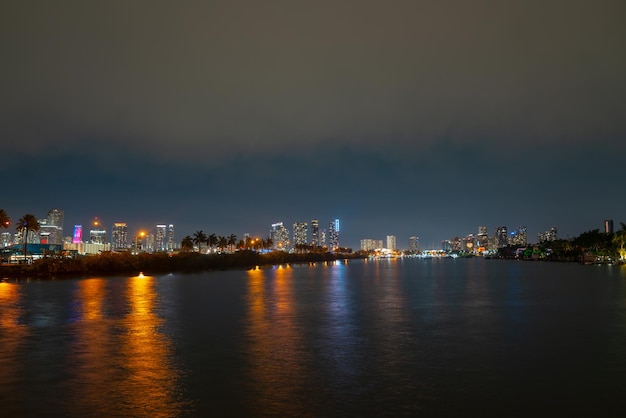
<point>359,338</point>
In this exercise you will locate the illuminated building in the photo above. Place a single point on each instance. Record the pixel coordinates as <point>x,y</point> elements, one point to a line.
<point>280,237</point>
<point>170,238</point>
<point>322,241</point>
<point>333,235</point>
<point>97,235</point>
<point>608,226</point>
<point>518,237</point>
<point>414,244</point>
<point>501,237</point>
<point>149,243</point>
<point>51,228</point>
<point>368,244</point>
<point>119,236</point>
<point>5,239</point>
<point>548,235</point>
<point>300,232</point>
<point>160,238</point>
<point>77,238</point>
<point>391,243</point>
<point>481,242</point>
<point>315,231</point>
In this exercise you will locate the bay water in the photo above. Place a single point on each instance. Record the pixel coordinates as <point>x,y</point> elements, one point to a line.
<point>396,337</point>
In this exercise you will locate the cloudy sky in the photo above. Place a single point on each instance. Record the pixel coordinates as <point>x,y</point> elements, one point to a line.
<point>397,117</point>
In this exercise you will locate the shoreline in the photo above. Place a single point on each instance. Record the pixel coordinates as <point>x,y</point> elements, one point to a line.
<point>53,268</point>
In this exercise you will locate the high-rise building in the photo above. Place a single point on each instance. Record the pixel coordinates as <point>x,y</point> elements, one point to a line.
<point>333,235</point>
<point>119,236</point>
<point>51,228</point>
<point>170,238</point>
<point>160,238</point>
<point>97,235</point>
<point>300,232</point>
<point>391,242</point>
<point>608,226</point>
<point>77,238</point>
<point>501,236</point>
<point>549,235</point>
<point>280,237</point>
<point>518,237</point>
<point>322,241</point>
<point>5,239</point>
<point>481,241</point>
<point>368,244</point>
<point>414,244</point>
<point>315,231</point>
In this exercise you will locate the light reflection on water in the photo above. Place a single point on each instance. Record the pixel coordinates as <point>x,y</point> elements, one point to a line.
<point>376,338</point>
<point>12,335</point>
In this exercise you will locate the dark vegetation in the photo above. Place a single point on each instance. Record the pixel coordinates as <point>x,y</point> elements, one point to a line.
<point>158,263</point>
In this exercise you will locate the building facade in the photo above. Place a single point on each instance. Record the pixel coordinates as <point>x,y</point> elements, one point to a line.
<point>119,236</point>
<point>333,235</point>
<point>391,243</point>
<point>315,231</point>
<point>280,237</point>
<point>300,233</point>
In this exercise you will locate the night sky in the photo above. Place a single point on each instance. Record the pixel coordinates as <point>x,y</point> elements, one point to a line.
<point>403,118</point>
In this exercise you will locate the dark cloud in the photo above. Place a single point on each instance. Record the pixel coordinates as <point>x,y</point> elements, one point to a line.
<point>245,77</point>
<point>398,115</point>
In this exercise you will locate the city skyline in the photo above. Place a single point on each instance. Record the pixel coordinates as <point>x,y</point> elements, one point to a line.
<point>398,118</point>
<point>122,235</point>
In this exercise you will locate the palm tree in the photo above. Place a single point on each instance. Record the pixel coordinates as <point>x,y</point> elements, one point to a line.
<point>212,241</point>
<point>187,244</point>
<point>222,243</point>
<point>5,221</point>
<point>26,224</point>
<point>232,240</point>
<point>198,238</point>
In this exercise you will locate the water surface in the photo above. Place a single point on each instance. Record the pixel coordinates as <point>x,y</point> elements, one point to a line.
<point>360,338</point>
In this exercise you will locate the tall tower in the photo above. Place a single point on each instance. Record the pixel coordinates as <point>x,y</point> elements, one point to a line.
<point>170,238</point>
<point>391,242</point>
<point>280,237</point>
<point>315,231</point>
<point>300,232</point>
<point>160,237</point>
<point>333,235</point>
<point>119,236</point>
<point>78,234</point>
<point>501,236</point>
<point>608,226</point>
<point>51,228</point>
<point>414,244</point>
<point>97,235</point>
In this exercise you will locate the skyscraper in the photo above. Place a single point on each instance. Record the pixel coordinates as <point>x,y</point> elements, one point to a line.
<point>414,244</point>
<point>160,237</point>
<point>77,238</point>
<point>501,236</point>
<point>608,226</point>
<point>300,232</point>
<point>51,228</point>
<point>279,236</point>
<point>97,235</point>
<point>391,242</point>
<point>315,230</point>
<point>119,236</point>
<point>170,238</point>
<point>333,235</point>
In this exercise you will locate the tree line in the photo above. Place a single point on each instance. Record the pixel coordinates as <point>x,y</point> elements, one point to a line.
<point>214,242</point>
<point>593,243</point>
